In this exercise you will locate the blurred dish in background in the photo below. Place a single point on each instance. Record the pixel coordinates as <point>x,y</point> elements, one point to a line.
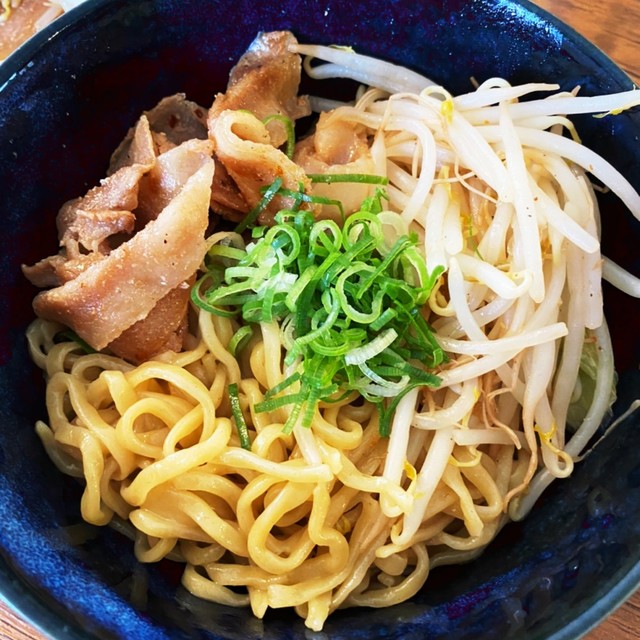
<point>20,19</point>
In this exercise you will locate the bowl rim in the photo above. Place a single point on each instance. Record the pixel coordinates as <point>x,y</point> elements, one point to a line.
<point>24,601</point>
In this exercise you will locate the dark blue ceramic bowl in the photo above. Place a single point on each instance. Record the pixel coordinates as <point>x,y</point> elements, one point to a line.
<point>67,98</point>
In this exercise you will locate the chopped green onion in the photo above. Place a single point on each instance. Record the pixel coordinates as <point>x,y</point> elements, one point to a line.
<point>360,355</point>
<point>239,339</point>
<point>287,382</point>
<point>275,403</point>
<point>201,300</point>
<point>267,197</point>
<point>238,417</point>
<point>373,204</point>
<point>225,251</point>
<point>348,301</point>
<point>303,197</point>
<point>362,178</point>
<point>386,316</point>
<point>289,128</point>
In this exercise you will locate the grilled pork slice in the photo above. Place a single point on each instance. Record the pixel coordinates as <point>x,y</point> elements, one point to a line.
<point>263,84</point>
<point>121,289</point>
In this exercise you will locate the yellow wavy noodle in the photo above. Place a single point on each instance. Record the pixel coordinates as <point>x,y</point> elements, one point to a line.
<point>155,445</point>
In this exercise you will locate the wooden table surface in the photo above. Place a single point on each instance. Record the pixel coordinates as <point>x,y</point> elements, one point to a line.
<point>614,26</point>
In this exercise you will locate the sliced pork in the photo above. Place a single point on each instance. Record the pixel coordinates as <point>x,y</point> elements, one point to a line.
<point>265,82</point>
<point>167,177</point>
<point>171,122</point>
<point>138,273</point>
<point>90,226</point>
<point>337,146</point>
<point>242,143</point>
<point>162,329</point>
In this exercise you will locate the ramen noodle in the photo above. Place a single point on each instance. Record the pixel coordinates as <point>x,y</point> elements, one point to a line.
<point>313,370</point>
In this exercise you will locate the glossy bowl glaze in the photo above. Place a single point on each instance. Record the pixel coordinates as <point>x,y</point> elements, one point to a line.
<point>67,98</point>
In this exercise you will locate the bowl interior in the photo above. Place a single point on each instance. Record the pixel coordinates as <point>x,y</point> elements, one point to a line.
<point>66,100</point>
